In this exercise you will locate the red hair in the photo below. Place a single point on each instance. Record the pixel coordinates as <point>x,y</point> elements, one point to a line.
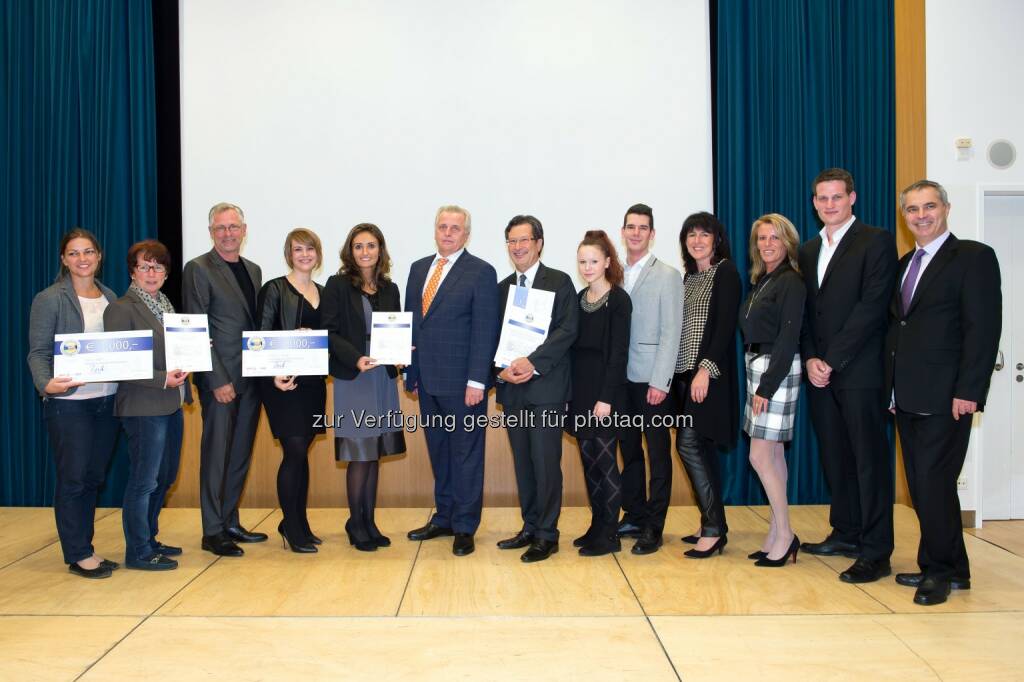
<point>599,240</point>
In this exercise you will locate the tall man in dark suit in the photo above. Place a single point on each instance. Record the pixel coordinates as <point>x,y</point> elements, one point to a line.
<point>454,305</point>
<point>534,391</point>
<point>848,269</point>
<point>945,322</point>
<point>223,285</point>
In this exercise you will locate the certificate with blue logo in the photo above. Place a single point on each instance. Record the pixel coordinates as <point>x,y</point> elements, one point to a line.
<point>525,323</point>
<point>302,352</point>
<point>391,338</point>
<point>187,342</point>
<point>104,356</point>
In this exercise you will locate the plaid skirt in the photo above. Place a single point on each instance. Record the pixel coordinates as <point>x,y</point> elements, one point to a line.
<point>775,423</point>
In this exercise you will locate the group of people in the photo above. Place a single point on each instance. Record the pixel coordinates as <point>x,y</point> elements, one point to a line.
<point>639,351</point>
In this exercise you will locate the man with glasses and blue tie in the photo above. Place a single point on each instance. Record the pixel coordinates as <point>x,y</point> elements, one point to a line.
<point>223,285</point>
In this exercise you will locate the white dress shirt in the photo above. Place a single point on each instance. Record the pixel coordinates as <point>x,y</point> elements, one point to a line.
<point>633,271</point>
<point>829,250</point>
<point>447,267</point>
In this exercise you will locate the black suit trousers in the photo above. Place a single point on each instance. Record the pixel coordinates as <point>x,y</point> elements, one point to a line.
<point>537,453</point>
<point>850,424</point>
<point>224,455</point>
<point>934,449</point>
<point>639,507</point>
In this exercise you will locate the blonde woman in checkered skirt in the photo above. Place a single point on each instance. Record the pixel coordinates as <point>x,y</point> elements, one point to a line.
<point>770,323</point>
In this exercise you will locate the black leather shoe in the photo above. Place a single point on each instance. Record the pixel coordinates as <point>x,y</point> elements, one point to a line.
<point>539,551</point>
<point>865,571</point>
<point>463,544</point>
<point>112,565</point>
<point>628,529</point>
<point>601,546</point>
<point>586,538</point>
<point>931,591</point>
<point>239,534</point>
<point>157,562</point>
<point>429,532</point>
<point>221,545</point>
<point>649,542</point>
<point>518,541</point>
<point>915,579</point>
<point>100,571</point>
<point>830,546</point>
<point>167,550</point>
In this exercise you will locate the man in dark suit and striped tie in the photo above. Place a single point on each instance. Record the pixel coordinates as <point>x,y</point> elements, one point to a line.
<point>454,302</point>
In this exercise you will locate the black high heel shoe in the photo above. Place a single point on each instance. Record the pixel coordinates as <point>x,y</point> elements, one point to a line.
<point>759,554</point>
<point>719,545</point>
<point>794,547</point>
<point>691,539</point>
<point>378,537</point>
<point>307,548</point>
<point>363,543</point>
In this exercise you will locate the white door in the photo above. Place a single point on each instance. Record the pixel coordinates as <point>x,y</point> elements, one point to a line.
<point>1002,459</point>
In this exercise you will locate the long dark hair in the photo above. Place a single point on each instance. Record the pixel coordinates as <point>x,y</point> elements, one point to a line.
<point>599,240</point>
<point>349,267</point>
<point>78,233</point>
<point>710,224</point>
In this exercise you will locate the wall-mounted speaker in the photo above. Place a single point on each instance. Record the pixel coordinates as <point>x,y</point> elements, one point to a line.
<point>1001,154</point>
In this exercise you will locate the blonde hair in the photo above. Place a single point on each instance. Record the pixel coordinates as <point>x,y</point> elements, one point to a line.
<point>786,233</point>
<point>306,237</point>
<point>452,208</point>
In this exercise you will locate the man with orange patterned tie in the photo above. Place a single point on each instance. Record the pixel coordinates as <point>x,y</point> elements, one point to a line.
<point>454,303</point>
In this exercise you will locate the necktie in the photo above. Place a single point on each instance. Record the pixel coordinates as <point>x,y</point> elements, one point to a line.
<point>435,281</point>
<point>907,292</point>
<point>522,280</point>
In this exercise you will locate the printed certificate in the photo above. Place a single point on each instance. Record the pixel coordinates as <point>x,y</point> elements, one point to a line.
<point>187,343</point>
<point>525,323</point>
<point>391,338</point>
<point>302,352</point>
<point>104,356</point>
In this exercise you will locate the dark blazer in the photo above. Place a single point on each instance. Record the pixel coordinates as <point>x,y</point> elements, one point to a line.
<point>945,345</point>
<point>718,417</point>
<point>143,397</point>
<point>551,359</point>
<point>614,350</point>
<point>341,314</point>
<point>772,317</point>
<point>845,318</point>
<point>456,340</point>
<point>208,287</point>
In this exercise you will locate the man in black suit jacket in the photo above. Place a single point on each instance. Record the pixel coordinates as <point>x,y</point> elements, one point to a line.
<point>223,285</point>
<point>454,306</point>
<point>848,269</point>
<point>945,322</point>
<point>534,391</point>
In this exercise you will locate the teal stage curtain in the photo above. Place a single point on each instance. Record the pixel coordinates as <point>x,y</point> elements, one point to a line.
<point>76,80</point>
<point>800,85</point>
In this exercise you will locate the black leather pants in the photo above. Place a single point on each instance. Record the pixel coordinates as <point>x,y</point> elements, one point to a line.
<point>701,463</point>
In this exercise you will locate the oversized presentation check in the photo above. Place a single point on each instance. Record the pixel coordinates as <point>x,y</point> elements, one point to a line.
<point>187,343</point>
<point>525,323</point>
<point>302,352</point>
<point>104,356</point>
<point>391,338</point>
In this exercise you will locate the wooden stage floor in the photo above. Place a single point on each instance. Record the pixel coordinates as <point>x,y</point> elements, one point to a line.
<point>413,611</point>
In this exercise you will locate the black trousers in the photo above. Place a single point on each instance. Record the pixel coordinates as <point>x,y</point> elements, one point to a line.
<point>850,424</point>
<point>224,455</point>
<point>639,507</point>
<point>934,449</point>
<point>701,463</point>
<point>537,453</point>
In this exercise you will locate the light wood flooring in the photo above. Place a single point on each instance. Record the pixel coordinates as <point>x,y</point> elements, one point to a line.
<point>415,612</point>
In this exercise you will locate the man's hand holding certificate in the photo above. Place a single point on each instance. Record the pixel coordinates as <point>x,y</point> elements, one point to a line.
<point>104,356</point>
<point>302,352</point>
<point>187,342</point>
<point>524,327</point>
<point>391,338</point>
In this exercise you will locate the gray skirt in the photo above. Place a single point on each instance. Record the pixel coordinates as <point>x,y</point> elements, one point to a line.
<point>363,431</point>
<point>776,422</point>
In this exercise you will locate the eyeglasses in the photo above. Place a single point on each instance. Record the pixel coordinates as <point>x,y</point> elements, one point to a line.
<point>145,267</point>
<point>522,241</point>
<point>221,229</point>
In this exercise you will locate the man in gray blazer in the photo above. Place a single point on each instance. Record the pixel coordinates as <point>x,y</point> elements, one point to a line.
<point>223,285</point>
<point>656,290</point>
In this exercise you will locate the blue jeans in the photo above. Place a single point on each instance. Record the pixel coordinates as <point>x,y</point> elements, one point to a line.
<point>154,452</point>
<point>82,436</point>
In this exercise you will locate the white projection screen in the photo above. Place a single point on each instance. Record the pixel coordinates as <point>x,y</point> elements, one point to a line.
<point>328,113</point>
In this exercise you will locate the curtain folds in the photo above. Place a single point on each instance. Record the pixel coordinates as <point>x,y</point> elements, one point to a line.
<point>78,121</point>
<point>800,85</point>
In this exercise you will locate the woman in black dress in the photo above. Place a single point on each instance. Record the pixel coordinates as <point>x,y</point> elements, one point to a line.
<point>292,403</point>
<point>599,386</point>
<point>361,386</point>
<point>705,381</point>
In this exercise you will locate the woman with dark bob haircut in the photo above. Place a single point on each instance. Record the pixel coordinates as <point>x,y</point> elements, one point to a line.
<point>705,381</point>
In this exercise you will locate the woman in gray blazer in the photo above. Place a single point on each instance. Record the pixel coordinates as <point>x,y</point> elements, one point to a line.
<point>150,410</point>
<point>79,417</point>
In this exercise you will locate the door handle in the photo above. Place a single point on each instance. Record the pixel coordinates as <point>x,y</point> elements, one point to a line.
<point>1000,363</point>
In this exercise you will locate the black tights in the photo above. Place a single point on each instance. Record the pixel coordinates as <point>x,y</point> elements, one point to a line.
<point>293,487</point>
<point>604,484</point>
<point>361,485</point>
